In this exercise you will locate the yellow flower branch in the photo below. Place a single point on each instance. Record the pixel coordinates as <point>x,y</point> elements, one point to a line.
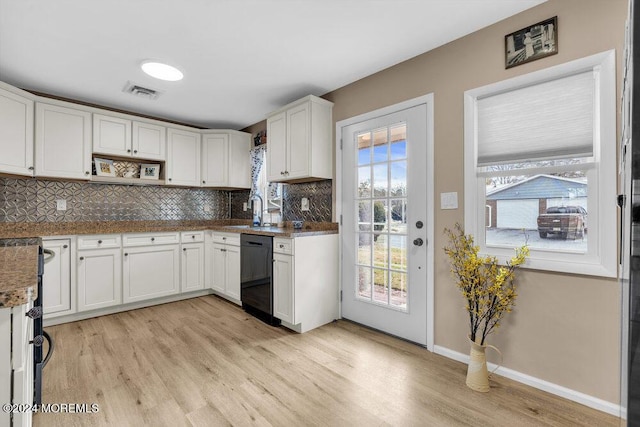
<point>487,286</point>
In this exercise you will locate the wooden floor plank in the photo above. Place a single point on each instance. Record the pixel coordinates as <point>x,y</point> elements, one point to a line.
<point>205,362</point>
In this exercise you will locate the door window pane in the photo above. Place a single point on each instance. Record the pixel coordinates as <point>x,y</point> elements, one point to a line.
<point>398,178</point>
<point>380,180</point>
<point>399,142</point>
<point>364,248</point>
<point>399,289</point>
<point>398,252</point>
<point>364,148</point>
<point>364,182</point>
<point>380,286</point>
<point>380,146</point>
<point>380,253</point>
<point>364,282</point>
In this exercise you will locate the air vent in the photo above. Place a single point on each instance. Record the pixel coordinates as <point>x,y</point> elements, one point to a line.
<point>140,91</point>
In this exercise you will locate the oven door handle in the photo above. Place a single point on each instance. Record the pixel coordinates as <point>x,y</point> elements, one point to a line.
<point>50,350</point>
<point>51,254</point>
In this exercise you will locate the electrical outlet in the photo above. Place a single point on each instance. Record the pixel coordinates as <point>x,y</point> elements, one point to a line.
<point>244,206</point>
<point>207,208</point>
<point>304,204</point>
<point>61,205</point>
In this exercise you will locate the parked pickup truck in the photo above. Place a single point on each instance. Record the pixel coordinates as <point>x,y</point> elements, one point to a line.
<point>566,221</point>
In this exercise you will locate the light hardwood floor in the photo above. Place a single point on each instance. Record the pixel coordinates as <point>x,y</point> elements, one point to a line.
<point>204,362</point>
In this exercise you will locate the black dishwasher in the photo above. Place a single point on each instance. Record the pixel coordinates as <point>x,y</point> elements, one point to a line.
<point>256,268</point>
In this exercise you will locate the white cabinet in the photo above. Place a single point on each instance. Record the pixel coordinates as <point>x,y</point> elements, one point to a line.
<point>225,159</point>
<point>183,158</point>
<point>99,278</point>
<point>225,265</point>
<point>283,291</point>
<point>56,285</point>
<point>128,138</point>
<point>305,281</point>
<point>151,270</point>
<point>16,133</point>
<point>192,262</point>
<point>300,142</point>
<point>62,142</point>
<point>16,363</point>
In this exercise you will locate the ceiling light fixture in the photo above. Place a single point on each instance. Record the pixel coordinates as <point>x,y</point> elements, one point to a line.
<point>162,71</point>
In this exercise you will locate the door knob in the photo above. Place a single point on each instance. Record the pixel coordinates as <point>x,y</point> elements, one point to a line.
<point>418,242</point>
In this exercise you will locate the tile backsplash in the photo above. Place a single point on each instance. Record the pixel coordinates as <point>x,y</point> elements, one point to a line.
<point>319,194</point>
<point>34,200</point>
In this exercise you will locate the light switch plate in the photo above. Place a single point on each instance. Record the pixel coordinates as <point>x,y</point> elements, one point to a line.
<point>61,205</point>
<point>304,204</point>
<point>449,200</point>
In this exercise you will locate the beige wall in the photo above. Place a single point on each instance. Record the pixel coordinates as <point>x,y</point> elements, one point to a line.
<point>565,329</point>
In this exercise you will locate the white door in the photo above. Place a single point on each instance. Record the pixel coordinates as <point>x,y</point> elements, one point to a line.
<point>148,141</point>
<point>16,134</point>
<point>183,158</point>
<point>150,272</point>
<point>192,267</point>
<point>56,282</point>
<point>386,224</point>
<point>99,278</point>
<point>215,162</point>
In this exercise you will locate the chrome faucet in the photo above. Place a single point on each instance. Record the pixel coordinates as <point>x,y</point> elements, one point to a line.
<point>257,196</point>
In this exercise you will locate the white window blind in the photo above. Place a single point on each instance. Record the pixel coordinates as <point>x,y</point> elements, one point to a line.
<point>544,121</point>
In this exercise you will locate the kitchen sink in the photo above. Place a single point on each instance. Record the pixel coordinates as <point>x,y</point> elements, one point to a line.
<point>238,226</point>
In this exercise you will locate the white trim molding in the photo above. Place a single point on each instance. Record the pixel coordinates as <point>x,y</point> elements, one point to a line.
<point>558,390</point>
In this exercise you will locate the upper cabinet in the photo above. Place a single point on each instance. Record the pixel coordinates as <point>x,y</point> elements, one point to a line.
<point>16,133</point>
<point>183,158</point>
<point>225,159</point>
<point>63,142</point>
<point>300,143</point>
<point>128,138</point>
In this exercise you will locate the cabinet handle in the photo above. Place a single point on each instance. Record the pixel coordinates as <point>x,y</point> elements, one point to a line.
<point>282,173</point>
<point>153,239</point>
<point>193,237</point>
<point>204,182</point>
<point>87,173</point>
<point>65,246</point>
<point>126,254</point>
<point>169,179</point>
<point>281,246</point>
<point>135,151</point>
<point>30,168</point>
<point>128,150</point>
<point>224,238</point>
<point>99,242</point>
<point>81,258</point>
<point>184,249</point>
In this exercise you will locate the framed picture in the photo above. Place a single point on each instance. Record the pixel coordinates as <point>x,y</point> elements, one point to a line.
<point>104,167</point>
<point>531,43</point>
<point>149,171</point>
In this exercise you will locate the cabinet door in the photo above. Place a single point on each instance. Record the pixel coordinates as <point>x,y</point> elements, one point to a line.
<point>183,158</point>
<point>99,278</point>
<point>215,160</point>
<point>219,276</point>
<point>150,272</point>
<point>192,267</point>
<point>277,152</point>
<point>5,363</point>
<point>148,141</point>
<point>298,141</point>
<point>239,161</point>
<point>111,135</point>
<point>56,282</point>
<point>283,290</point>
<point>16,134</point>
<point>63,142</point>
<point>233,271</point>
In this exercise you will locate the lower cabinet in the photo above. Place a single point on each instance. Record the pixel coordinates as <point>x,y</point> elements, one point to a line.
<point>305,281</point>
<point>193,261</point>
<point>99,278</point>
<point>150,272</point>
<point>225,265</point>
<point>283,291</point>
<point>16,363</point>
<point>56,286</point>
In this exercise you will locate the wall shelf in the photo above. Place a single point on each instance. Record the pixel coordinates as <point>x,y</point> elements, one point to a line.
<point>125,181</point>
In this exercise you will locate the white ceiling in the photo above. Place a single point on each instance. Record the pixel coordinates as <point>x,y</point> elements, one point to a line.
<point>241,58</point>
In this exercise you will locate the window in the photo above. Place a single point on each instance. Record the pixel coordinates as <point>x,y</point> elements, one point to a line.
<point>540,166</point>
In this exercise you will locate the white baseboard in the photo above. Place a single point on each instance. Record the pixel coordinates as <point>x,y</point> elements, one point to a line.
<point>558,390</point>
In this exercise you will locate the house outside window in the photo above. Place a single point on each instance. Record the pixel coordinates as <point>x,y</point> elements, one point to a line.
<point>540,155</point>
